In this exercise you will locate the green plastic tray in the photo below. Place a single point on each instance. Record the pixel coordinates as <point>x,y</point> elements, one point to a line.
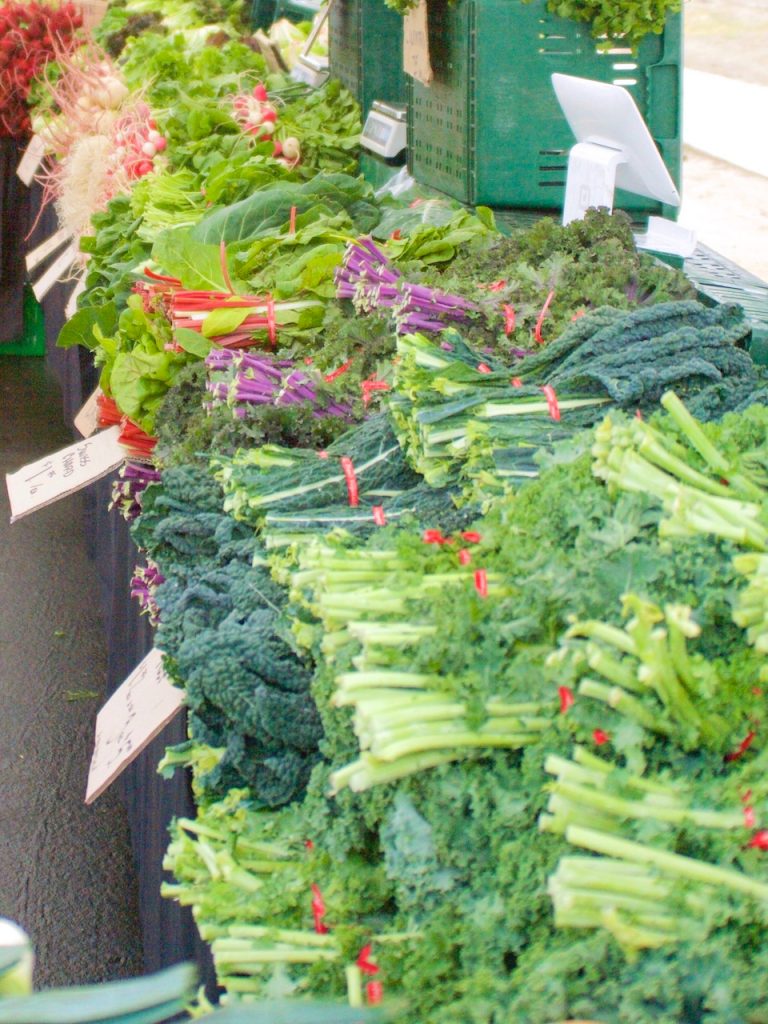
<point>489,128</point>
<point>717,279</point>
<point>365,44</point>
<point>33,341</point>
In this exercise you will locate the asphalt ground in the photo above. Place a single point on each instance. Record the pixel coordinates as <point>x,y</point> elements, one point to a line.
<point>66,873</point>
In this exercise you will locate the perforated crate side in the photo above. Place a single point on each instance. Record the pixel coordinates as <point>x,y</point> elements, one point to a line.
<point>489,129</point>
<point>719,280</point>
<point>345,50</point>
<point>365,41</point>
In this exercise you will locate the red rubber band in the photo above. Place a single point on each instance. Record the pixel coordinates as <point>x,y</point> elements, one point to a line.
<point>509,318</point>
<point>481,582</point>
<point>318,910</point>
<point>551,397</point>
<point>364,962</point>
<point>378,515</point>
<point>567,699</point>
<point>271,321</point>
<point>351,479</point>
<point>542,314</point>
<point>743,747</point>
<point>328,377</point>
<point>374,991</point>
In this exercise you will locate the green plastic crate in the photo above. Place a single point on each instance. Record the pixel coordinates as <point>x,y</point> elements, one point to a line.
<point>489,128</point>
<point>32,343</point>
<point>719,280</point>
<point>264,13</point>
<point>365,47</point>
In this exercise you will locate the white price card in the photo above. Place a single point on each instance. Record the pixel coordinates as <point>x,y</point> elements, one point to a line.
<point>71,307</point>
<point>43,285</point>
<point>37,255</point>
<point>63,472</point>
<point>87,420</point>
<point>33,157</point>
<point>135,713</point>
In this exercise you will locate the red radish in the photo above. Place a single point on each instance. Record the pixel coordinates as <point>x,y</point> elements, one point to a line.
<point>260,92</point>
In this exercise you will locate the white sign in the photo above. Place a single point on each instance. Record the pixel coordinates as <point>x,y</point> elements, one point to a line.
<point>135,713</point>
<point>63,472</point>
<point>44,250</point>
<point>71,307</point>
<point>33,157</point>
<point>87,420</point>
<point>43,285</point>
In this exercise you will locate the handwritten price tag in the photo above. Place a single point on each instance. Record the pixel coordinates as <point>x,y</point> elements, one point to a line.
<point>87,420</point>
<point>416,59</point>
<point>33,157</point>
<point>135,713</point>
<point>64,472</point>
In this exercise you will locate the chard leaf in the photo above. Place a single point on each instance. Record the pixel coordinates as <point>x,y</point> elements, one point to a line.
<point>182,256</point>
<point>224,320</point>
<point>79,329</point>
<point>192,342</point>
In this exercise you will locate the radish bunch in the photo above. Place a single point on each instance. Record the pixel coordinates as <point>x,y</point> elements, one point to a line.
<point>137,141</point>
<point>30,35</point>
<point>257,116</point>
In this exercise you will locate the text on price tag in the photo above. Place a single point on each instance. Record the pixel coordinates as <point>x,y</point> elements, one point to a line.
<point>135,713</point>
<point>63,472</point>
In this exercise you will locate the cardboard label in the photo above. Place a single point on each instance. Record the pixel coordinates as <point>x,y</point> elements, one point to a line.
<point>50,245</point>
<point>93,12</point>
<point>64,472</point>
<point>43,285</point>
<point>270,52</point>
<point>71,307</point>
<point>87,420</point>
<point>33,157</point>
<point>416,60</point>
<point>135,713</point>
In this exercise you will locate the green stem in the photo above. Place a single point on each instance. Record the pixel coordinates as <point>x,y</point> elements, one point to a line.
<point>672,863</point>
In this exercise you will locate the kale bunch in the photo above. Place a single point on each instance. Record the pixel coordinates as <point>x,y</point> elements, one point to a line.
<point>223,632</point>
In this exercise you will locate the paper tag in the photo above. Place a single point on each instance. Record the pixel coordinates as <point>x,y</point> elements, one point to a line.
<point>33,157</point>
<point>71,307</point>
<point>416,60</point>
<point>64,472</point>
<point>43,285</point>
<point>135,713</point>
<point>37,255</point>
<point>93,12</point>
<point>270,52</point>
<point>87,420</point>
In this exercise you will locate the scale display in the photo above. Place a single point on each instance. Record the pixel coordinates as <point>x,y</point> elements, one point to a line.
<point>385,132</point>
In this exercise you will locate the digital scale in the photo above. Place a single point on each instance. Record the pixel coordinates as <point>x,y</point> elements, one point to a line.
<point>312,70</point>
<point>386,130</point>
